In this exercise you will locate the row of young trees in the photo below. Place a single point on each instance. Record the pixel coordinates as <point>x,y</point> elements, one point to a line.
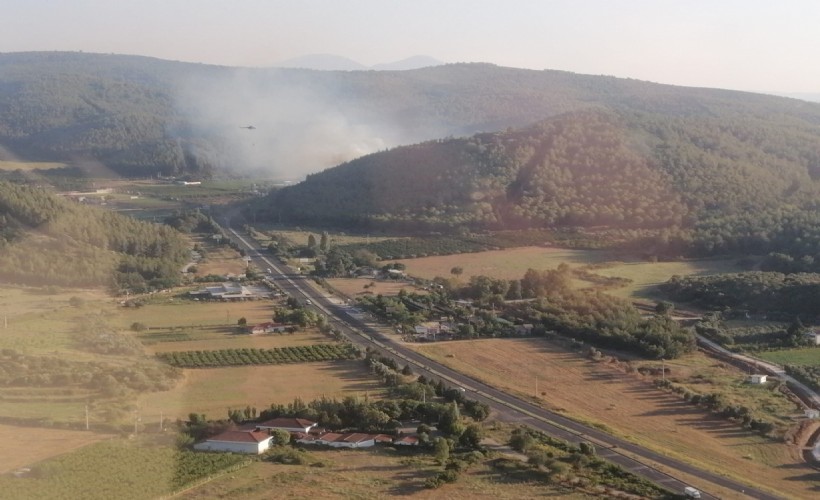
<point>254,356</point>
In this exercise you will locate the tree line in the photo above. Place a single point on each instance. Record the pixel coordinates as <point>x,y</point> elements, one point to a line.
<point>46,239</point>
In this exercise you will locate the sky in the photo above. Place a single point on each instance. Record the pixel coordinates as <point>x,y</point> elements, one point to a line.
<point>757,45</point>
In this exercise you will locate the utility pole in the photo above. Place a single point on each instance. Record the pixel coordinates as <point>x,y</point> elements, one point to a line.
<point>160,421</point>
<point>86,416</point>
<point>663,370</point>
<point>536,386</point>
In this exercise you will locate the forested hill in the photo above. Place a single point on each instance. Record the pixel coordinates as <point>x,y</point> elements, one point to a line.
<point>139,116</point>
<point>702,184</point>
<point>49,240</point>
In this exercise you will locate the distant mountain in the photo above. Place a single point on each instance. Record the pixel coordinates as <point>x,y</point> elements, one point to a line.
<point>139,116</point>
<point>806,96</point>
<point>322,62</point>
<point>414,62</point>
<point>693,183</point>
<point>331,62</point>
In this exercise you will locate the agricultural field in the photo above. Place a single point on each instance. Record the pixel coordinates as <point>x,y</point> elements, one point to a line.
<point>212,391</point>
<point>807,356</point>
<point>23,446</point>
<point>357,287</point>
<point>27,166</point>
<point>513,263</point>
<point>370,474</point>
<point>118,468</point>
<point>300,237</point>
<point>172,313</point>
<point>629,405</point>
<point>220,260</point>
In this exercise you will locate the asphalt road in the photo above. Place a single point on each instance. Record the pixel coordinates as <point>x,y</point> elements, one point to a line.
<point>509,408</point>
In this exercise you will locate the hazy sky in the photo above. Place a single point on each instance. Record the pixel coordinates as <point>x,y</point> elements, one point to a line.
<point>762,45</point>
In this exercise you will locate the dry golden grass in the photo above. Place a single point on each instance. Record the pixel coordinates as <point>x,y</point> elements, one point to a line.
<point>373,473</point>
<point>262,341</point>
<point>212,391</point>
<point>513,263</point>
<point>220,260</point>
<point>28,166</point>
<point>24,446</point>
<point>182,313</point>
<point>355,287</point>
<point>630,406</point>
<point>505,264</point>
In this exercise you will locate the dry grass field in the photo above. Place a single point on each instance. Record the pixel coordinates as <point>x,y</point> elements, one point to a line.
<point>184,313</point>
<point>220,260</point>
<point>355,287</point>
<point>630,406</point>
<point>513,263</point>
<point>505,264</point>
<point>227,341</point>
<point>300,237</point>
<point>373,473</point>
<point>24,446</point>
<point>213,390</point>
<point>28,166</point>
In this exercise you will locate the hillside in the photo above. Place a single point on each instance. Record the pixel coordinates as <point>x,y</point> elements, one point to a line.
<point>697,184</point>
<point>49,240</point>
<point>138,116</point>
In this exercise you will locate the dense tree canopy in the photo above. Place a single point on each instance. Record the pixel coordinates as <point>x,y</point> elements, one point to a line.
<point>46,239</point>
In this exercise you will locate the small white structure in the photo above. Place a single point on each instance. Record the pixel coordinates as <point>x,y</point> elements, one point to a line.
<point>288,424</point>
<point>225,291</point>
<point>757,379</point>
<point>268,328</point>
<point>813,337</point>
<point>250,442</point>
<point>812,413</point>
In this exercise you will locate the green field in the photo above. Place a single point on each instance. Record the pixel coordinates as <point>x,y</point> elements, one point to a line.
<point>809,356</point>
<point>117,468</point>
<point>646,276</point>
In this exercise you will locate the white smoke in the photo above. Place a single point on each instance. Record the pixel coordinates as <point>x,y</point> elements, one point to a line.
<point>299,128</point>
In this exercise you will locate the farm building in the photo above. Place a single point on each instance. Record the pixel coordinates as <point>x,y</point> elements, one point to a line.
<point>407,441</point>
<point>813,337</point>
<point>351,440</point>
<point>338,440</point>
<point>757,379</point>
<point>250,442</point>
<point>269,327</point>
<point>288,424</point>
<point>224,291</point>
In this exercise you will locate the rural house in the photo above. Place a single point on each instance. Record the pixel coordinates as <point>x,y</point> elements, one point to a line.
<point>757,379</point>
<point>268,327</point>
<point>250,442</point>
<point>288,424</point>
<point>813,337</point>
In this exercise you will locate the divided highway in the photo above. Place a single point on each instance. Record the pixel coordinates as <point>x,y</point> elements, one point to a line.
<point>632,457</point>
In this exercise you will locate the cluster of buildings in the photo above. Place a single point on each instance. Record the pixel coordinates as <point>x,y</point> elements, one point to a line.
<point>256,439</point>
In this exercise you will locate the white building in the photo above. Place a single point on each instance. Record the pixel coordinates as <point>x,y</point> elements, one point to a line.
<point>250,442</point>
<point>757,379</point>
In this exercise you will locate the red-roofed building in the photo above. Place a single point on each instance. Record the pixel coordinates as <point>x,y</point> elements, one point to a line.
<point>251,442</point>
<point>350,440</point>
<point>288,424</point>
<point>407,441</point>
